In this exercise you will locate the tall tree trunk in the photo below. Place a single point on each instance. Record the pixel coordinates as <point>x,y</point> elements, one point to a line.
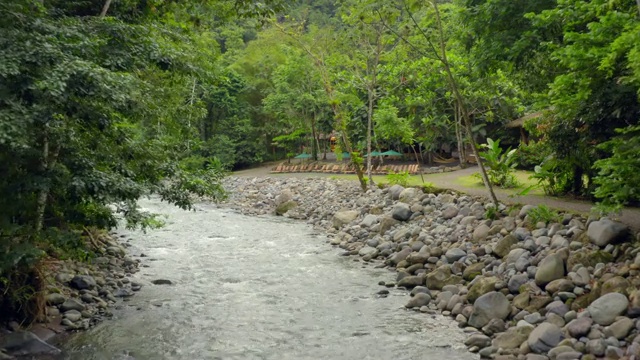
<point>314,142</point>
<point>461,150</point>
<point>105,8</point>
<point>461,103</point>
<point>369,129</point>
<point>47,162</point>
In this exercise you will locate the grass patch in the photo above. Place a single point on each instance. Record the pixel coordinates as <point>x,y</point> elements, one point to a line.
<point>522,176</point>
<point>413,180</point>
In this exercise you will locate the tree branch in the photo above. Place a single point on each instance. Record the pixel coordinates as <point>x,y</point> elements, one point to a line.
<point>105,8</point>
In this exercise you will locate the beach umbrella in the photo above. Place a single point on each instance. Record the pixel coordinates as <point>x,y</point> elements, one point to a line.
<point>375,153</point>
<point>391,153</point>
<point>303,156</point>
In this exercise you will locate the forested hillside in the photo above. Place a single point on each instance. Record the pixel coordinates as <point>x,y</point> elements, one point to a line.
<point>105,101</point>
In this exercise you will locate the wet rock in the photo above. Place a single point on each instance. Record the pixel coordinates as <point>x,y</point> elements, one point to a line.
<point>123,292</point>
<point>478,340</point>
<point>605,309</point>
<point>411,281</point>
<point>73,315</point>
<point>418,300</point>
<point>605,232</point>
<point>544,337</point>
<point>493,305</point>
<point>549,269</point>
<point>82,282</point>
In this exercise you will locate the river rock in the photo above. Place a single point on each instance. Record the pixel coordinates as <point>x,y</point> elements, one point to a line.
<point>454,254</point>
<point>395,191</point>
<point>284,196</point>
<point>493,305</point>
<point>512,338</point>
<point>400,256</point>
<point>605,232</point>
<point>503,246</point>
<point>55,299</point>
<point>440,277</point>
<point>549,269</point>
<point>82,282</point>
<point>481,232</point>
<point>544,337</point>
<point>450,212</point>
<point>71,304</point>
<point>369,221</point>
<point>478,340</point>
<point>411,281</point>
<point>418,300</point>
<point>401,212</point>
<point>579,327</point>
<point>285,207</point>
<point>516,281</point>
<point>481,286</point>
<point>73,315</point>
<point>619,329</point>
<point>605,309</point>
<point>616,284</point>
<point>472,271</point>
<point>407,195</point>
<point>344,217</point>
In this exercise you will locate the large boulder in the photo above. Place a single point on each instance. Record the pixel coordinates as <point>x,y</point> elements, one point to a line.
<point>283,197</point>
<point>605,232</point>
<point>408,195</point>
<point>473,270</point>
<point>549,269</point>
<point>419,300</point>
<point>493,305</point>
<point>284,207</point>
<point>606,308</point>
<point>395,191</point>
<point>401,212</point>
<point>344,217</point>
<point>544,338</point>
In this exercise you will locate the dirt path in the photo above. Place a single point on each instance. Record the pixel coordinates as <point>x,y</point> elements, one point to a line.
<point>629,216</point>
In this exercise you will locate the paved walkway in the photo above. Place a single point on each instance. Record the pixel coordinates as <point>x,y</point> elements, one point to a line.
<point>629,216</point>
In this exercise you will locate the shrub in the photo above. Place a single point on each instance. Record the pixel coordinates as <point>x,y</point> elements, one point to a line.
<point>543,213</point>
<point>500,164</point>
<point>528,156</point>
<point>398,178</point>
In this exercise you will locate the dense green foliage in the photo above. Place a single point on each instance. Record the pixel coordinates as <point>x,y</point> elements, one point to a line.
<point>103,102</point>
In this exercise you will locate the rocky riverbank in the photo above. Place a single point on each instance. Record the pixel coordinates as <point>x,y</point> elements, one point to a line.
<point>78,296</point>
<point>522,290</point>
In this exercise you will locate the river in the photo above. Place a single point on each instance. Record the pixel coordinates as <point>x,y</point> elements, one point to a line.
<point>258,288</point>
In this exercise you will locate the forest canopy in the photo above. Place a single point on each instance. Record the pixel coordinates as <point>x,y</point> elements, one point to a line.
<point>103,102</point>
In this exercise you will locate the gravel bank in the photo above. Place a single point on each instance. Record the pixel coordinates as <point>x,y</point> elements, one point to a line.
<point>558,290</point>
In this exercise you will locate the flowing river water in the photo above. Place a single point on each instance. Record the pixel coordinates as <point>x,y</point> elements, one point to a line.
<point>258,288</point>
